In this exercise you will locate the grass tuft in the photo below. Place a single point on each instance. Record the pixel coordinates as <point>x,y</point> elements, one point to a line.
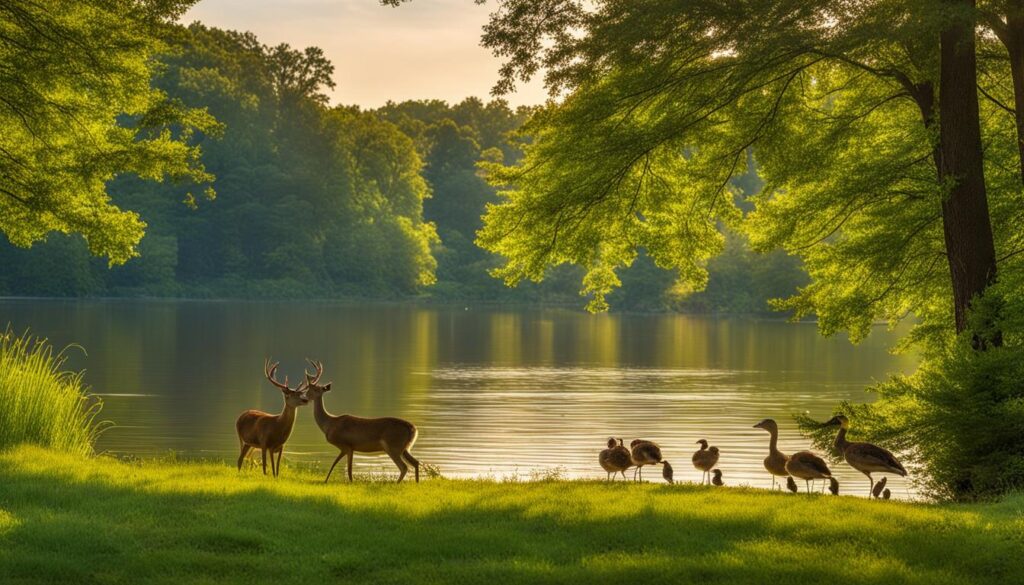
<point>42,403</point>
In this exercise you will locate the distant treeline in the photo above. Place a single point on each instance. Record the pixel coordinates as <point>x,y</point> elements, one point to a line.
<point>315,201</point>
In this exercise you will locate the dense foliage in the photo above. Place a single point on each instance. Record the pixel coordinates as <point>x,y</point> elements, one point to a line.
<point>311,200</point>
<point>77,110</point>
<point>454,140</point>
<point>326,202</point>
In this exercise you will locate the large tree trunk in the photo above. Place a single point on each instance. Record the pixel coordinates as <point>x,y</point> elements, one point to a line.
<point>968,230</point>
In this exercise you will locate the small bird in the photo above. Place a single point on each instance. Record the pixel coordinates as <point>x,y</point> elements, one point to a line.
<point>642,453</point>
<point>864,457</point>
<point>776,460</point>
<point>790,484</point>
<point>705,459</point>
<point>717,480</point>
<point>833,486</point>
<point>879,486</point>
<point>615,459</point>
<point>666,471</point>
<point>886,494</point>
<point>806,465</point>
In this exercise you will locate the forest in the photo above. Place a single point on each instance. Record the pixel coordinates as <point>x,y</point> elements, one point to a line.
<point>389,201</point>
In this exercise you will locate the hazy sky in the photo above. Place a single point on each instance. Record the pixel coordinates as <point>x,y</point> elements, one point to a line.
<point>425,49</point>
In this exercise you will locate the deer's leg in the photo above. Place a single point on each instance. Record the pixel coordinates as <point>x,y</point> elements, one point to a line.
<point>264,461</point>
<point>279,453</point>
<point>350,454</point>
<point>336,460</point>
<point>412,461</point>
<point>241,458</point>
<point>402,467</point>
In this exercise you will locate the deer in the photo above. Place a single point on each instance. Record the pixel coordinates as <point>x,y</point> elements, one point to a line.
<point>269,432</point>
<point>353,434</point>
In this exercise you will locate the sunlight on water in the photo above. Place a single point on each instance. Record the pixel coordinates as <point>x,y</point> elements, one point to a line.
<point>494,392</point>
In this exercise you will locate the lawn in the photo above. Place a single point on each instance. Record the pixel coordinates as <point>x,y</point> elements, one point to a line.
<point>98,520</point>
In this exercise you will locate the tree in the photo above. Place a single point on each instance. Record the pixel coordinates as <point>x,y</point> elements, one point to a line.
<point>662,103</point>
<point>882,170</point>
<point>77,111</point>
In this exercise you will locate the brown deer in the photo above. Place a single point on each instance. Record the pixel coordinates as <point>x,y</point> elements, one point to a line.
<point>269,432</point>
<point>352,434</point>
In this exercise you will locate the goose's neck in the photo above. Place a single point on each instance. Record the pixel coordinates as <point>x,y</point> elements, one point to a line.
<point>773,442</point>
<point>841,442</point>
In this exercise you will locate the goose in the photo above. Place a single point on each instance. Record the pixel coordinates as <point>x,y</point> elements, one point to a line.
<point>642,453</point>
<point>864,457</point>
<point>806,465</point>
<point>717,480</point>
<point>776,460</point>
<point>886,494</point>
<point>790,484</point>
<point>833,486</point>
<point>615,459</point>
<point>705,460</point>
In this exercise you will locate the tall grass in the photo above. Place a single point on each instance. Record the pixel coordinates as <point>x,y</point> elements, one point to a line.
<point>40,402</point>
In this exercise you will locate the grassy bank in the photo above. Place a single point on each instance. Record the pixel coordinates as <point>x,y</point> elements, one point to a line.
<point>68,519</point>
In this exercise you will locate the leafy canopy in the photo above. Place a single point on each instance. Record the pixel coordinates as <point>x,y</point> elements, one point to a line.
<point>660,105</point>
<point>77,110</point>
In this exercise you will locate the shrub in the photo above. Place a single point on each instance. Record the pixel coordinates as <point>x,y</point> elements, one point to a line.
<point>958,420</point>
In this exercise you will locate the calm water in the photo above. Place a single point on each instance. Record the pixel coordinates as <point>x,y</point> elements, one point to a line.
<point>493,391</point>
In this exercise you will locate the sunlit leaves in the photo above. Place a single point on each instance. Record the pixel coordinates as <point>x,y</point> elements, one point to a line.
<point>77,110</point>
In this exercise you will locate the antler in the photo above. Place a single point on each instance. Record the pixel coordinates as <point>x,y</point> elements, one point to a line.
<point>319,367</point>
<point>270,370</point>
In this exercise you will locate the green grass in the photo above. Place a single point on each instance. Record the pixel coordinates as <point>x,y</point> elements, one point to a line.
<point>98,520</point>
<point>40,403</point>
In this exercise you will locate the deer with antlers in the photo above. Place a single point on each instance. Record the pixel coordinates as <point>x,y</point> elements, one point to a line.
<point>269,432</point>
<point>352,434</point>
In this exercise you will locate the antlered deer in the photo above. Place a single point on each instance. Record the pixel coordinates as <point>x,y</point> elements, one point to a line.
<point>269,432</point>
<point>352,434</point>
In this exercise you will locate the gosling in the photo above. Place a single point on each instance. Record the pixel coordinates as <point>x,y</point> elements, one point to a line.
<point>717,480</point>
<point>666,471</point>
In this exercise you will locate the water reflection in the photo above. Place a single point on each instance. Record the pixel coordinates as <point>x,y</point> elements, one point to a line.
<point>494,391</point>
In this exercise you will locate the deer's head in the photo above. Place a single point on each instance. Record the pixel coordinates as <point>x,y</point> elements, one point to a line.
<point>314,389</point>
<point>294,397</point>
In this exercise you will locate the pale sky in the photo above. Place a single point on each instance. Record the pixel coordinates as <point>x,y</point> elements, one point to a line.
<point>424,49</point>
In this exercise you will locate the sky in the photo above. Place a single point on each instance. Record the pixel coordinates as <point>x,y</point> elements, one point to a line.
<point>421,50</point>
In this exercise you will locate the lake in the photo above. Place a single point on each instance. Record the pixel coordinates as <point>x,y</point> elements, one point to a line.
<point>494,391</point>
